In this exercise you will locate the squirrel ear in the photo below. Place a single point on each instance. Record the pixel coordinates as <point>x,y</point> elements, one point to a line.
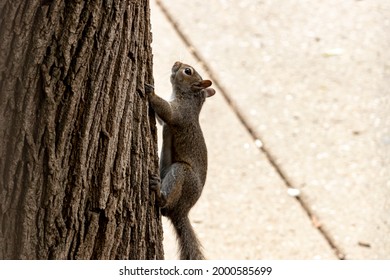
<point>209,92</point>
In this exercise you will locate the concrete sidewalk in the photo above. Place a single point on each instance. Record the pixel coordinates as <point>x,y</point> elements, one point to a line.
<point>299,131</point>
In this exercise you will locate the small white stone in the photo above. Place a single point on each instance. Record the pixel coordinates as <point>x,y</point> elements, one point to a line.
<point>333,52</point>
<point>293,192</point>
<point>258,143</point>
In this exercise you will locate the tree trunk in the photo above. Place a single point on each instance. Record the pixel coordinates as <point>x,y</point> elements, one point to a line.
<point>76,137</point>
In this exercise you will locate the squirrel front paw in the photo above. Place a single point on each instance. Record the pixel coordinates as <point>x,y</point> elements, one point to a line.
<point>155,185</point>
<point>149,89</point>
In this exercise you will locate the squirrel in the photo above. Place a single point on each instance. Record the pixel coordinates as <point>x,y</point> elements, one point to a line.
<point>183,161</point>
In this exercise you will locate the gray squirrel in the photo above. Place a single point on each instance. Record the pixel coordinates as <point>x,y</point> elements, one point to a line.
<point>183,162</point>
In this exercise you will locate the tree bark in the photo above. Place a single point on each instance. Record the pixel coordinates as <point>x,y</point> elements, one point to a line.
<point>77,139</point>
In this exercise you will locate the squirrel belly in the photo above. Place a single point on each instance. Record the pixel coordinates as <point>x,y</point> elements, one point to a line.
<point>179,146</point>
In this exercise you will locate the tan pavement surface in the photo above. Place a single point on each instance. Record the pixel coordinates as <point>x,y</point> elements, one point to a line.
<point>299,131</point>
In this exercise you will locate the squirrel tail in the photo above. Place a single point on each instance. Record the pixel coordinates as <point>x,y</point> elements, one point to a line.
<point>189,245</point>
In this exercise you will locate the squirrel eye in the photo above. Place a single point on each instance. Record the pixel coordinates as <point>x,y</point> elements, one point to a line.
<point>188,71</point>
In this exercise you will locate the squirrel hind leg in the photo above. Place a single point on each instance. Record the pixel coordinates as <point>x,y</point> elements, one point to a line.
<point>169,191</point>
<point>172,184</point>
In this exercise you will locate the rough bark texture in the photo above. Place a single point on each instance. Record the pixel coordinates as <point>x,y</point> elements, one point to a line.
<point>76,140</point>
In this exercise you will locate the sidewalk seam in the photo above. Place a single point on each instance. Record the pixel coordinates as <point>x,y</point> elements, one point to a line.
<point>271,159</point>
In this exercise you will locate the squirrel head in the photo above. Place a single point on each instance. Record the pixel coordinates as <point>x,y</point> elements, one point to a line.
<point>185,79</point>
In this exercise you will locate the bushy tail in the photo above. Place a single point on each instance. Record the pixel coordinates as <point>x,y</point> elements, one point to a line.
<point>189,245</point>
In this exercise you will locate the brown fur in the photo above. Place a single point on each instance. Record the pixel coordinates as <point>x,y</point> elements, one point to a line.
<point>183,162</point>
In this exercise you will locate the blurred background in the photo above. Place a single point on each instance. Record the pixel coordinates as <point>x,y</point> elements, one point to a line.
<point>298,133</point>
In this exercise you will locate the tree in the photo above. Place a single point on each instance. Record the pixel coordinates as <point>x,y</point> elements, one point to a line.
<point>77,137</point>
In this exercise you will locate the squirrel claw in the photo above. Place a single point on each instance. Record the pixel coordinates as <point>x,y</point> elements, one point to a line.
<point>154,181</point>
<point>149,88</point>
<point>155,185</point>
